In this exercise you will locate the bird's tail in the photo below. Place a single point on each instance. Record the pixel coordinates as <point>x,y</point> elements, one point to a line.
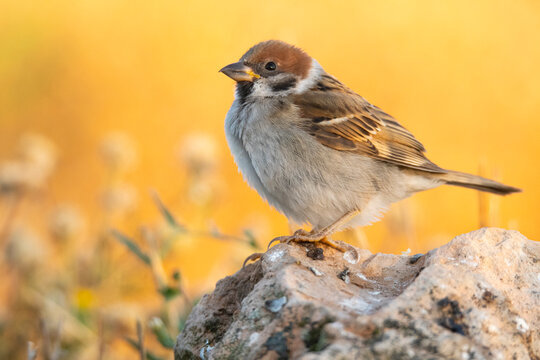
<point>477,182</point>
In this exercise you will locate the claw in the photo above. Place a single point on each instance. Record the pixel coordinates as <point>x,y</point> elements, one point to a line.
<point>312,236</point>
<point>281,239</point>
<point>298,235</point>
<point>252,257</point>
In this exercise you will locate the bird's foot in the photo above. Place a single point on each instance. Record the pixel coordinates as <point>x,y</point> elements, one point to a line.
<point>302,235</point>
<point>257,256</point>
<point>314,236</point>
<point>252,257</point>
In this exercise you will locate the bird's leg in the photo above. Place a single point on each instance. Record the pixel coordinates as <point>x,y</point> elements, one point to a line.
<point>319,235</point>
<point>257,256</point>
<point>312,236</point>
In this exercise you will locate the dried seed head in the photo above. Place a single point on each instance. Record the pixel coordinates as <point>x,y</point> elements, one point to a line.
<point>118,151</point>
<point>119,198</point>
<point>65,223</point>
<point>199,153</point>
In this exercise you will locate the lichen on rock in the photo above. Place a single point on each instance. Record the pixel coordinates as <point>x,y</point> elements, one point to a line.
<point>477,297</point>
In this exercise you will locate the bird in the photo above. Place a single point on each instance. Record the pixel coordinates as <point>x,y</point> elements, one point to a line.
<point>320,153</point>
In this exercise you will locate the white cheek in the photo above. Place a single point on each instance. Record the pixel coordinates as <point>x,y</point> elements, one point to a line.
<point>311,79</point>
<point>261,88</point>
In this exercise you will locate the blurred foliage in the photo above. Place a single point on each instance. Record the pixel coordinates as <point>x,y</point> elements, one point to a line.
<point>101,101</point>
<point>71,288</point>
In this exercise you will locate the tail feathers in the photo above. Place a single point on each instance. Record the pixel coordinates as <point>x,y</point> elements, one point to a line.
<point>477,182</point>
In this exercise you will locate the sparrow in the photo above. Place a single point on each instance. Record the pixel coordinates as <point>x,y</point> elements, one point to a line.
<point>320,153</point>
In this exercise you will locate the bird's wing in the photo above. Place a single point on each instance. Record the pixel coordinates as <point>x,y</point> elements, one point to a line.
<point>342,120</point>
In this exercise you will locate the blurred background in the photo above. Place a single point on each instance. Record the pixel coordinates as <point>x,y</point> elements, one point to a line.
<point>111,117</point>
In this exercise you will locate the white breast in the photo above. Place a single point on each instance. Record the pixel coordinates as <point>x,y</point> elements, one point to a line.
<point>301,178</point>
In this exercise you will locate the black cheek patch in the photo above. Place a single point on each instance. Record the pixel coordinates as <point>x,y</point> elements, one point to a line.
<point>284,85</point>
<point>243,89</point>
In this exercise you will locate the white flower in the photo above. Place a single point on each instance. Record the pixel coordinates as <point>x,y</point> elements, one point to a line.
<point>38,152</point>
<point>33,165</point>
<point>65,222</point>
<point>120,198</point>
<point>25,249</point>
<point>14,176</point>
<point>199,153</point>
<point>155,323</point>
<point>118,152</point>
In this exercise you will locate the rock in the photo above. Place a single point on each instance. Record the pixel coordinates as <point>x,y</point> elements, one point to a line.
<point>477,297</point>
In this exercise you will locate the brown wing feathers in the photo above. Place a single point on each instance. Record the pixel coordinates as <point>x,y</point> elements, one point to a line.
<point>343,120</point>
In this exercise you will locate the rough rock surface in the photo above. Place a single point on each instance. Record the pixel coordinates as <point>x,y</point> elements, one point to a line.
<point>477,297</point>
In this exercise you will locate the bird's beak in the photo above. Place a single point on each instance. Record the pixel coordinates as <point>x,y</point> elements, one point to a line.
<point>239,72</point>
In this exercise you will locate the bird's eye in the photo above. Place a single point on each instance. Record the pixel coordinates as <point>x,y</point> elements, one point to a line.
<point>270,66</point>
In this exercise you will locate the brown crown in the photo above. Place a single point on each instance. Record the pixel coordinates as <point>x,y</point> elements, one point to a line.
<point>288,57</point>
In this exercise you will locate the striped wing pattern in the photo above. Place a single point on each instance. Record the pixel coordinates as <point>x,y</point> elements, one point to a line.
<point>341,119</point>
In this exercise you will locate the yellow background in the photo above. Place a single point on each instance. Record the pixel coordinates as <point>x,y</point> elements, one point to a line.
<point>463,76</point>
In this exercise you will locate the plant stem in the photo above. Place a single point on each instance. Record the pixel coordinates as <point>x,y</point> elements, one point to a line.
<point>140,339</point>
<point>13,209</point>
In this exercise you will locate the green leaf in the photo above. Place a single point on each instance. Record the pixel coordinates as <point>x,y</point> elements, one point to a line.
<point>177,276</point>
<point>163,336</point>
<point>251,239</point>
<point>135,345</point>
<point>165,212</point>
<point>132,246</point>
<point>169,292</point>
<point>181,324</point>
<point>151,356</point>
